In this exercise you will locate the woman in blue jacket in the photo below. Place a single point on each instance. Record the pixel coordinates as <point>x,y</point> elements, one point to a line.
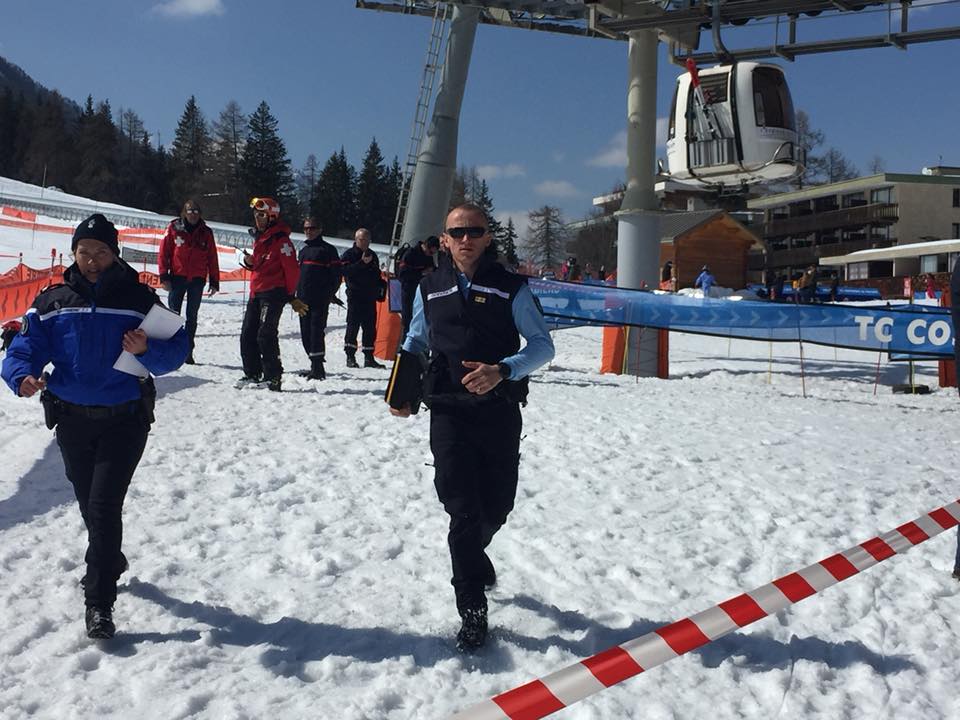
<point>102,415</point>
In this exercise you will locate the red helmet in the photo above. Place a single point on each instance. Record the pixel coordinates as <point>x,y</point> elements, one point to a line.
<point>266,204</point>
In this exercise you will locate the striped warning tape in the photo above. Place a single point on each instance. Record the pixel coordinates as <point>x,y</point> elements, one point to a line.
<point>561,689</point>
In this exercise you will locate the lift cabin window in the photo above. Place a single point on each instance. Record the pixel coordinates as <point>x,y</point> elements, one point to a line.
<point>773,106</point>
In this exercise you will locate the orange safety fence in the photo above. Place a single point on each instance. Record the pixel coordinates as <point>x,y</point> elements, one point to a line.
<point>21,214</point>
<point>388,332</point>
<point>947,368</point>
<point>21,284</point>
<point>613,355</point>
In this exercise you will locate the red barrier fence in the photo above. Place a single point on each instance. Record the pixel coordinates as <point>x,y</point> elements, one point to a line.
<point>21,284</point>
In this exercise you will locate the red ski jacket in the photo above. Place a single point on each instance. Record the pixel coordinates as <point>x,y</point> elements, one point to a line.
<point>274,261</point>
<point>189,253</point>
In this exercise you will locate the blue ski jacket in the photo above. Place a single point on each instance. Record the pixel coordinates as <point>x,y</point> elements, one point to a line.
<point>79,327</point>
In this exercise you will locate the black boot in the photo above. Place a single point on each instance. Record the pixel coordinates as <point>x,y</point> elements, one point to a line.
<point>100,623</point>
<point>316,370</point>
<point>473,630</point>
<point>352,359</point>
<point>273,384</point>
<point>369,361</point>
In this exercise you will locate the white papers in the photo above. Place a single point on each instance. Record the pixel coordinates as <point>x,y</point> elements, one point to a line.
<point>159,324</point>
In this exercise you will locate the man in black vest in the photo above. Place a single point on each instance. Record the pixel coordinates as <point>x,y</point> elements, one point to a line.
<point>471,313</point>
<point>319,281</point>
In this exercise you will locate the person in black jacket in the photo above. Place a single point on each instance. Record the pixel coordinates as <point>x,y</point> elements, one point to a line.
<point>414,264</point>
<point>471,314</point>
<point>319,281</point>
<point>361,270</point>
<point>102,415</point>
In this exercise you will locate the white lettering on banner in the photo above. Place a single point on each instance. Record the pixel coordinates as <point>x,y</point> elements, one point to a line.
<point>882,329</point>
<point>918,332</point>
<point>939,333</point>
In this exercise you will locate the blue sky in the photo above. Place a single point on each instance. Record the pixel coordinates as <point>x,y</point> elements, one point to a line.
<point>543,115</point>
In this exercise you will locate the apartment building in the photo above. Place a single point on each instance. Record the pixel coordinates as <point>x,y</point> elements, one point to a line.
<point>878,211</point>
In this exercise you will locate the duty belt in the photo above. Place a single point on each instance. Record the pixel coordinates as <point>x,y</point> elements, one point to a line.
<point>99,412</point>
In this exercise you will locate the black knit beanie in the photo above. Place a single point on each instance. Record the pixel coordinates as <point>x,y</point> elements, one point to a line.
<point>96,227</point>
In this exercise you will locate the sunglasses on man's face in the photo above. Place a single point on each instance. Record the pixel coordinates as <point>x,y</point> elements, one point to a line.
<point>458,233</point>
<point>260,214</point>
<point>192,211</point>
<point>309,227</point>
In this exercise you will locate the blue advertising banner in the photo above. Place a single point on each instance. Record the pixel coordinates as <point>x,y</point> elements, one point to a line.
<point>916,330</point>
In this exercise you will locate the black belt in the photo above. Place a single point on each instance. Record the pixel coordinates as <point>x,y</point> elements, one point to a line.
<point>99,412</point>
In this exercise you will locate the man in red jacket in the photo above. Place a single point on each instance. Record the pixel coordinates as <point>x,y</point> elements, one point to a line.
<point>273,282</point>
<point>188,256</point>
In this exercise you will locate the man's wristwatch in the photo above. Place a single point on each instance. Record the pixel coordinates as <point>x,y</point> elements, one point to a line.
<point>505,371</point>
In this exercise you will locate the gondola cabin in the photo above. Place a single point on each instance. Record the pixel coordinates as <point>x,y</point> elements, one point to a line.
<point>733,124</point>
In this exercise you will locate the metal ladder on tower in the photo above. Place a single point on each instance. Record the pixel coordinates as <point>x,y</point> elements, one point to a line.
<point>430,68</point>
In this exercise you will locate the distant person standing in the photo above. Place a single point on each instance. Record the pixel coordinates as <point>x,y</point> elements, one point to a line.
<point>930,285</point>
<point>705,281</point>
<point>413,265</point>
<point>361,270</point>
<point>319,281</point>
<point>102,416</point>
<point>187,258</point>
<point>807,286</point>
<point>274,274</point>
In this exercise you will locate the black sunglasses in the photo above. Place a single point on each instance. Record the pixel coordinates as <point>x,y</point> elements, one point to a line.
<point>310,227</point>
<point>473,232</point>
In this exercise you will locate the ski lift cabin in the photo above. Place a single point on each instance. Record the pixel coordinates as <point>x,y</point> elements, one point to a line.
<point>731,125</point>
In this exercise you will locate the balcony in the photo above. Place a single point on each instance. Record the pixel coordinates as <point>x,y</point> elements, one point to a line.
<point>874,214</point>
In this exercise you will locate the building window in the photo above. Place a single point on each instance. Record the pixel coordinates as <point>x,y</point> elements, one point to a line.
<point>929,264</point>
<point>854,200</point>
<point>955,231</point>
<point>883,195</point>
<point>858,271</point>
<point>956,197</point>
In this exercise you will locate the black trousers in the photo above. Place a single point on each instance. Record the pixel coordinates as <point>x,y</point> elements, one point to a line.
<point>313,330</point>
<point>259,343</point>
<point>361,314</point>
<point>99,457</point>
<point>193,289</point>
<point>476,455</point>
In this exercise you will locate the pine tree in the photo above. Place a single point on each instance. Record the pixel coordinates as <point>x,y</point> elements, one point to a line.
<point>335,206</point>
<point>507,243</point>
<point>837,167</point>
<point>49,157</point>
<point>265,167</point>
<point>546,236</point>
<point>394,188</point>
<point>10,109</point>
<point>306,182</point>
<point>373,209</point>
<point>190,154</point>
<point>97,149</point>
<point>228,200</point>
<point>131,161</point>
<point>809,139</point>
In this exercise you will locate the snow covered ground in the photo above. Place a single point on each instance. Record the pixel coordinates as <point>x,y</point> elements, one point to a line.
<point>288,554</point>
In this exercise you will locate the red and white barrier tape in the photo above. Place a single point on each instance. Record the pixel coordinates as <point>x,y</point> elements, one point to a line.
<point>561,689</point>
